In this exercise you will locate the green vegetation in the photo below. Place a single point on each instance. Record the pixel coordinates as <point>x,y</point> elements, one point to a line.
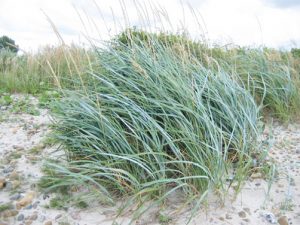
<point>150,115</point>
<point>6,100</point>
<point>153,123</point>
<point>295,52</point>
<point>5,206</point>
<point>24,106</point>
<point>18,105</point>
<point>37,149</point>
<point>163,219</point>
<point>8,44</point>
<point>272,77</point>
<point>59,202</point>
<point>48,97</point>
<point>50,67</point>
<point>65,201</point>
<point>14,155</point>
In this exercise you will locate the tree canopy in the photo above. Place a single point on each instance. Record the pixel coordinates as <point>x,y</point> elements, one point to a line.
<point>8,44</point>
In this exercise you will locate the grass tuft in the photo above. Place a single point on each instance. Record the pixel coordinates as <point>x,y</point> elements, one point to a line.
<point>154,123</point>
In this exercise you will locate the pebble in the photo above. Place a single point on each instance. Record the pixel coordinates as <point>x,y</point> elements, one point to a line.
<point>48,223</point>
<point>28,222</point>
<point>15,184</point>
<point>33,216</point>
<point>283,220</point>
<point>270,218</point>
<point>28,207</point>
<point>20,217</point>
<point>247,210</point>
<point>9,213</point>
<point>58,216</point>
<point>3,223</point>
<point>8,186</point>
<point>8,170</point>
<point>2,183</point>
<point>256,175</point>
<point>25,200</point>
<point>242,214</point>
<point>41,218</point>
<point>35,205</point>
<point>15,197</point>
<point>14,175</point>
<point>32,158</point>
<point>228,216</point>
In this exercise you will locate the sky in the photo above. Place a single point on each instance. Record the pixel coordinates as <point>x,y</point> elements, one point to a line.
<point>33,23</point>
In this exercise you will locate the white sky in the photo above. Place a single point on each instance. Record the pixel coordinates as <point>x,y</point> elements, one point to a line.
<point>274,23</point>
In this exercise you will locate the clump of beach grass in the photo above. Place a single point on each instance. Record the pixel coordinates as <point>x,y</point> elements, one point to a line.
<point>154,122</point>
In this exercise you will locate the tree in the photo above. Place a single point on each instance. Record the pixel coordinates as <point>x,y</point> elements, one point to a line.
<point>8,44</point>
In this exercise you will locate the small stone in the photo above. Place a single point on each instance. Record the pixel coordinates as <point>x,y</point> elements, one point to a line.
<point>242,214</point>
<point>228,216</point>
<point>15,197</point>
<point>20,217</point>
<point>18,148</point>
<point>235,185</point>
<point>13,163</point>
<point>33,217</point>
<point>3,223</point>
<point>8,169</point>
<point>247,210</point>
<point>14,175</point>
<point>9,213</point>
<point>32,158</point>
<point>25,200</point>
<point>58,216</point>
<point>45,196</point>
<point>8,186</point>
<point>35,205</point>
<point>42,218</point>
<point>270,218</point>
<point>48,223</point>
<point>28,222</point>
<point>256,175</point>
<point>14,130</point>
<point>28,207</point>
<point>283,220</point>
<point>15,184</point>
<point>2,183</point>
